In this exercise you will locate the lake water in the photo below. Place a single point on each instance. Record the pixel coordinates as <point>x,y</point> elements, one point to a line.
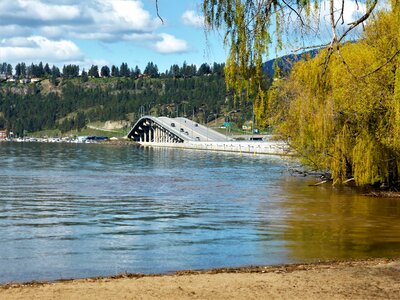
<point>70,211</point>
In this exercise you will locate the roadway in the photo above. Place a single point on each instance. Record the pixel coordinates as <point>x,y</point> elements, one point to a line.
<point>192,130</point>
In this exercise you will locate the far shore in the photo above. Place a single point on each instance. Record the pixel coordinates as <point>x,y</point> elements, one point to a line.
<point>359,279</point>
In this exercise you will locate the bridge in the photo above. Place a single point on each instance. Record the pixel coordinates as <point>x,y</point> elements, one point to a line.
<point>187,134</point>
<point>151,129</point>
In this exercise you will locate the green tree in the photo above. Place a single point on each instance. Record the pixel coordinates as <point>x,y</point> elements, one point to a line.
<point>94,71</point>
<point>70,71</point>
<point>252,26</point>
<point>47,70</point>
<point>347,121</point>
<point>151,70</point>
<point>337,110</point>
<point>55,71</point>
<point>20,70</point>
<point>105,71</point>
<point>124,70</point>
<point>114,71</point>
<point>204,70</point>
<point>136,72</point>
<point>84,76</point>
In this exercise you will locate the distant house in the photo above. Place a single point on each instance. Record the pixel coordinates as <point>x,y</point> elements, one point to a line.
<point>25,80</point>
<point>35,79</point>
<point>3,134</point>
<point>3,77</point>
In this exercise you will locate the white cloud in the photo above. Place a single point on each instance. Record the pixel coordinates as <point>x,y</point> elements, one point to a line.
<point>140,37</point>
<point>105,20</point>
<point>46,12</point>
<point>17,42</point>
<point>170,44</point>
<point>52,31</point>
<point>29,11</point>
<point>14,30</point>
<point>44,30</point>
<point>190,18</point>
<point>15,50</point>
<point>87,63</point>
<point>124,15</point>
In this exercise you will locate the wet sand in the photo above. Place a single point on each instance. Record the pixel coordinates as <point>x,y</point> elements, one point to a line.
<point>368,279</point>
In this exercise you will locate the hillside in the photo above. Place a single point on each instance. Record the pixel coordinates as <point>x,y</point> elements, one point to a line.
<point>285,63</point>
<point>70,105</point>
<point>66,103</point>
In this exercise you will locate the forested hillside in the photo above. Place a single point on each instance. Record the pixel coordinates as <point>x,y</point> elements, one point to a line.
<point>69,101</point>
<point>38,97</point>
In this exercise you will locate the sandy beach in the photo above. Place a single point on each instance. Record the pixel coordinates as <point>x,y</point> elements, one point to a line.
<point>368,279</point>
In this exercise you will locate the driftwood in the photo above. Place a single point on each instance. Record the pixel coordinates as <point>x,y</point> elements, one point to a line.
<point>348,180</point>
<point>319,183</point>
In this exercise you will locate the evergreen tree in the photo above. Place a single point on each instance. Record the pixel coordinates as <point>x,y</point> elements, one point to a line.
<point>151,70</point>
<point>84,76</point>
<point>204,70</point>
<point>9,70</point>
<point>218,69</point>
<point>23,70</point>
<point>175,71</point>
<point>114,71</point>
<point>80,121</point>
<point>3,68</point>
<point>18,70</point>
<point>124,70</point>
<point>105,71</point>
<point>70,71</point>
<point>137,72</point>
<point>94,71</point>
<point>47,70</point>
<point>40,70</point>
<point>55,71</point>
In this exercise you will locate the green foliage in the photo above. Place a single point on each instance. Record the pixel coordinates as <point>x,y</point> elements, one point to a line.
<point>74,102</point>
<point>346,118</point>
<point>248,35</point>
<point>70,71</point>
<point>151,70</point>
<point>93,71</point>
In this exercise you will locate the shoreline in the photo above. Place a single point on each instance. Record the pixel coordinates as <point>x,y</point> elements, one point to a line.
<point>366,279</point>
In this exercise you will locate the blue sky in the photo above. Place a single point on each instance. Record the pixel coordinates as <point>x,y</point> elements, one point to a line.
<point>106,32</point>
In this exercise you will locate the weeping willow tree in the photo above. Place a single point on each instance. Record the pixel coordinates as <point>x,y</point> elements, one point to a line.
<point>339,110</point>
<point>348,121</point>
<point>252,27</point>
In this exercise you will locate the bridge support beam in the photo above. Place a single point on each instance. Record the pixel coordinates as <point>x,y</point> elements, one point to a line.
<point>151,130</point>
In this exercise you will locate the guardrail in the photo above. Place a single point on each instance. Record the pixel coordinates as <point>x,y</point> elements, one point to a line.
<point>254,147</point>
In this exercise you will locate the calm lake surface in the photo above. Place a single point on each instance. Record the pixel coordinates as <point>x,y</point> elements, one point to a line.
<point>69,211</point>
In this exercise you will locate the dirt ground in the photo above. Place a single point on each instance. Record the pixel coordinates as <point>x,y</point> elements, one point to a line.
<point>368,279</point>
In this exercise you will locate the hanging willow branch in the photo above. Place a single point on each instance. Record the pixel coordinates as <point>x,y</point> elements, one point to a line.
<point>158,14</point>
<point>249,34</point>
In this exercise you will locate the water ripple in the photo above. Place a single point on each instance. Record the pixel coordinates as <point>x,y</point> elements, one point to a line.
<point>89,210</point>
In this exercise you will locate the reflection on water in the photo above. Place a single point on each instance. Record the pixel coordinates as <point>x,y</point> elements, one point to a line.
<point>87,210</point>
<point>339,223</point>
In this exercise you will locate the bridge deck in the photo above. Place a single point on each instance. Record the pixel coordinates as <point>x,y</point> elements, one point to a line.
<point>172,130</point>
<point>184,133</point>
